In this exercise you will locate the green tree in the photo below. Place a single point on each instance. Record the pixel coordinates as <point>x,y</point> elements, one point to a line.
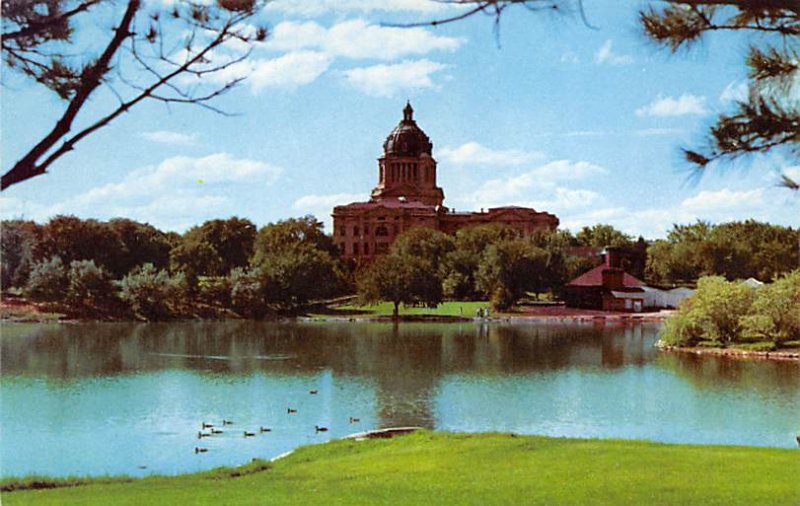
<point>141,243</point>
<point>45,40</point>
<point>72,238</point>
<point>88,284</point>
<point>152,293</point>
<point>712,313</point>
<point>247,294</point>
<point>215,247</point>
<point>775,313</point>
<point>510,268</point>
<point>459,266</point>
<point>399,280</point>
<point>600,236</point>
<point>19,243</point>
<point>296,262</point>
<point>48,280</point>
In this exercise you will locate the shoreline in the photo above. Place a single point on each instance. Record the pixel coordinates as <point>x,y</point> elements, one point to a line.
<point>789,354</point>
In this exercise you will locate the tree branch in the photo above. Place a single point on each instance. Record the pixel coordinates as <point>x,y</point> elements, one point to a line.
<point>26,167</point>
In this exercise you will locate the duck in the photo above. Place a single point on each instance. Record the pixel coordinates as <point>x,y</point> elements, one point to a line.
<point>249,434</point>
<point>320,429</point>
<point>227,422</point>
<point>264,429</point>
<point>216,431</point>
<point>200,450</point>
<point>201,435</point>
<point>205,425</point>
<point>290,410</point>
<point>354,419</point>
<point>313,392</point>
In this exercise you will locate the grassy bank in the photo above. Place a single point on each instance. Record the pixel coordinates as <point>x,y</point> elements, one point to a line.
<point>445,309</point>
<point>431,468</point>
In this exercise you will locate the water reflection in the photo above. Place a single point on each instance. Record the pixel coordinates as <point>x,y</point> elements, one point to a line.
<point>95,382</point>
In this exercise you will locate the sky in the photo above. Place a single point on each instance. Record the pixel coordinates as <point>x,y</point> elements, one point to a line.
<point>585,122</point>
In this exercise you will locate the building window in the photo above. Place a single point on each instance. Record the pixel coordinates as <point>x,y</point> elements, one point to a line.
<point>366,229</point>
<point>355,248</point>
<point>343,231</point>
<point>355,230</point>
<point>396,229</point>
<point>381,231</point>
<point>341,248</point>
<point>382,248</point>
<point>366,248</point>
<point>381,218</point>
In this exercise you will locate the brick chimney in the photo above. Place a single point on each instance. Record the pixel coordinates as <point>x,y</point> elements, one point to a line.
<point>613,257</point>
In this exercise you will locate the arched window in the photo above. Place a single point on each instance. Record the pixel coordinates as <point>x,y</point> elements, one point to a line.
<point>381,231</point>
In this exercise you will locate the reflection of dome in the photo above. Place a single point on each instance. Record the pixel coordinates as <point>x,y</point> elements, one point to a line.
<point>407,139</point>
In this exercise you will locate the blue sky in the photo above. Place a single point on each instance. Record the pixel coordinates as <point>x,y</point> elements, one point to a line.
<point>584,123</point>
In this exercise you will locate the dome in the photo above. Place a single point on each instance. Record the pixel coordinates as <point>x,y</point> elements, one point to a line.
<point>407,139</point>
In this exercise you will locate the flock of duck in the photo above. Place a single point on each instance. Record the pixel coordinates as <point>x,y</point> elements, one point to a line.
<point>212,429</point>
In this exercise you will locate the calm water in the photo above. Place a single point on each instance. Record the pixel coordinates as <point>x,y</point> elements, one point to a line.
<point>90,399</point>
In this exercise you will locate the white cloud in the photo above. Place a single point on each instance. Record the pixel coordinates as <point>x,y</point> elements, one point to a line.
<point>716,206</point>
<point>668,106</point>
<point>735,91</point>
<point>357,39</point>
<point>166,137</point>
<point>542,182</point>
<point>288,71</point>
<point>474,153</point>
<point>318,7</point>
<point>708,204</point>
<point>386,80</point>
<point>179,192</point>
<point>606,55</point>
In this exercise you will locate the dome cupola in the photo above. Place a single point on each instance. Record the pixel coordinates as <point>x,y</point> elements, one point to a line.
<point>407,139</point>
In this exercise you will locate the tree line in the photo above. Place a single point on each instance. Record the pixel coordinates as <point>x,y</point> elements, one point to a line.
<point>230,266</point>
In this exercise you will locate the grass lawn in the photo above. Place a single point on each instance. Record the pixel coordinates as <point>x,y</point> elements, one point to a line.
<point>466,309</point>
<point>433,468</point>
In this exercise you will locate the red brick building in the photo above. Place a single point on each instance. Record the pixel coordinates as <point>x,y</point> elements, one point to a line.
<point>407,196</point>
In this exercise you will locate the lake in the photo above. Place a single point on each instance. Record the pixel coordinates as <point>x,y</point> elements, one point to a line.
<point>128,398</point>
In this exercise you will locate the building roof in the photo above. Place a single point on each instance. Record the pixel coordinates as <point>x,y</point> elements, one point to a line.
<point>595,278</point>
<point>389,204</point>
<point>407,139</point>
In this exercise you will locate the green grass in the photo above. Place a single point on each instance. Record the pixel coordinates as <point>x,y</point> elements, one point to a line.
<point>432,468</point>
<point>465,309</point>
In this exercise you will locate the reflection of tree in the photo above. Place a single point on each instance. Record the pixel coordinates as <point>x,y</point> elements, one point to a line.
<point>405,363</point>
<point>720,373</point>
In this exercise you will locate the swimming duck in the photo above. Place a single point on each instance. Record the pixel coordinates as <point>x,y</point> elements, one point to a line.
<point>313,392</point>
<point>320,429</point>
<point>200,450</point>
<point>291,410</point>
<point>216,431</point>
<point>264,429</point>
<point>249,434</point>
<point>205,425</point>
<point>227,422</point>
<point>354,419</point>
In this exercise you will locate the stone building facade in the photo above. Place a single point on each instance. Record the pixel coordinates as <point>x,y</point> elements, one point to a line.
<point>407,196</point>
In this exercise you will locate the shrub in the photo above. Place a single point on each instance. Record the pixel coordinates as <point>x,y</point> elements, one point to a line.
<point>214,290</point>
<point>88,283</point>
<point>152,293</point>
<point>47,280</point>
<point>246,293</point>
